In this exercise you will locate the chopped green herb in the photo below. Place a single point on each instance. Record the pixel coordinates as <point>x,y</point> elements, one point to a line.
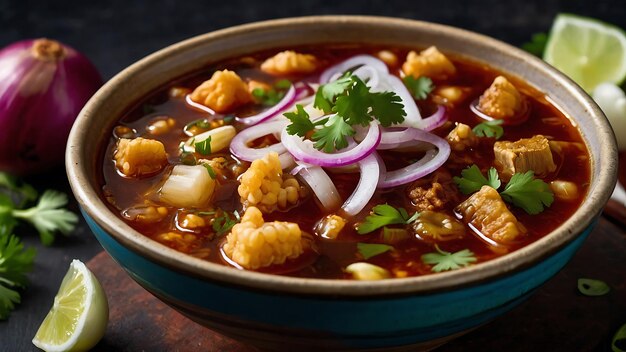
<point>15,262</point>
<point>301,124</point>
<point>528,193</point>
<point>590,287</point>
<point>282,84</point>
<point>22,191</point>
<point>205,213</point>
<point>333,135</point>
<point>383,215</point>
<point>203,147</point>
<point>210,170</point>
<point>489,129</point>
<point>200,123</point>
<point>472,179</point>
<point>368,250</point>
<point>537,44</point>
<point>618,344</point>
<point>444,261</point>
<point>419,87</point>
<point>326,93</point>
<point>273,95</point>
<point>223,223</point>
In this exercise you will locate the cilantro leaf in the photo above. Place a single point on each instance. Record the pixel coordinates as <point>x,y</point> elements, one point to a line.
<point>382,215</point>
<point>528,193</point>
<point>7,221</point>
<point>273,95</point>
<point>368,250</point>
<point>333,135</point>
<point>300,122</point>
<point>15,262</point>
<point>472,179</point>
<point>537,44</point>
<point>203,147</point>
<point>387,108</point>
<point>590,287</point>
<point>326,94</point>
<point>210,170</point>
<point>489,129</point>
<point>354,105</point>
<point>419,87</point>
<point>22,191</point>
<point>223,223</point>
<point>444,261</point>
<point>48,216</point>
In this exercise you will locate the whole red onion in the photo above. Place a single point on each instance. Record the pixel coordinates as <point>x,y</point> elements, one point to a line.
<point>43,86</point>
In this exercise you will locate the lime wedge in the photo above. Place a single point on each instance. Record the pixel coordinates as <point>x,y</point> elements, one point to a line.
<point>587,50</point>
<point>79,315</point>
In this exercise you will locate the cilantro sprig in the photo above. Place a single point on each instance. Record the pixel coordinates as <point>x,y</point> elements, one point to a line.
<point>368,250</point>
<point>273,95</point>
<point>224,222</point>
<point>203,147</point>
<point>523,190</point>
<point>489,129</point>
<point>15,262</point>
<point>351,103</point>
<point>444,261</point>
<point>383,215</point>
<point>419,87</point>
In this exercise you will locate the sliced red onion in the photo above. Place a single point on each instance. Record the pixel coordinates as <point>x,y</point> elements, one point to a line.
<point>429,163</point>
<point>239,144</point>
<point>198,106</point>
<point>393,137</point>
<point>370,176</point>
<point>333,72</point>
<point>303,150</point>
<point>282,105</point>
<point>321,184</point>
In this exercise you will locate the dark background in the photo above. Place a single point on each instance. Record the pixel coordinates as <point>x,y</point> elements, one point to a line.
<point>116,33</point>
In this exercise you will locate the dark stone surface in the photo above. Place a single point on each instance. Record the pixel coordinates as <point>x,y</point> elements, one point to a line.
<point>116,33</point>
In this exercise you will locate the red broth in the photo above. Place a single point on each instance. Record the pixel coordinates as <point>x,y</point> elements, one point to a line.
<point>328,258</point>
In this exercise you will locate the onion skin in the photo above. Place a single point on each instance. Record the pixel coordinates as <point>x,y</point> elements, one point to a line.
<point>43,86</point>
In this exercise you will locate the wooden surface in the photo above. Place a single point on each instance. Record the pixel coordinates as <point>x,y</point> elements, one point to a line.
<point>556,318</point>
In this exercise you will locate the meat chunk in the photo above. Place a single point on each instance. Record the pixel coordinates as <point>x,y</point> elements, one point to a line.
<point>462,137</point>
<point>288,63</point>
<point>486,211</point>
<point>140,157</point>
<point>224,92</point>
<point>524,155</point>
<point>430,63</point>
<point>432,193</point>
<point>254,243</point>
<point>501,100</point>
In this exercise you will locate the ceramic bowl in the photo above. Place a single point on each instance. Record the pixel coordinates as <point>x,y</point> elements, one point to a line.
<point>286,313</point>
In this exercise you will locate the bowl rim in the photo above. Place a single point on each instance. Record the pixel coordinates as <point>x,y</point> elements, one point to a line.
<point>92,204</point>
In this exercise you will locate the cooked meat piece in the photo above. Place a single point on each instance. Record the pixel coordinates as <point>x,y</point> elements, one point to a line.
<point>461,137</point>
<point>486,211</point>
<point>140,156</point>
<point>430,63</point>
<point>289,63</point>
<point>501,100</point>
<point>524,155</point>
<point>432,193</point>
<point>224,92</point>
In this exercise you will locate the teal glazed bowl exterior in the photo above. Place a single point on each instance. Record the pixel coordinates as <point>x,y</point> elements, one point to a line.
<point>285,313</point>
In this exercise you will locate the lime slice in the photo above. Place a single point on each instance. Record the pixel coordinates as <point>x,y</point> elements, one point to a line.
<point>79,315</point>
<point>587,50</point>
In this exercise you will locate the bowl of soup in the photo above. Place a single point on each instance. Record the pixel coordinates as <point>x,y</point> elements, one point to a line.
<point>341,182</point>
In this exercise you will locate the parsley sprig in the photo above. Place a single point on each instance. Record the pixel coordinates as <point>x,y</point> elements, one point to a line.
<point>15,262</point>
<point>523,190</point>
<point>383,215</point>
<point>419,87</point>
<point>352,103</point>
<point>444,261</point>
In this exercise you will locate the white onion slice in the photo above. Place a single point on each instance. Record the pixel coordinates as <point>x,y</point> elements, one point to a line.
<point>393,137</point>
<point>198,106</point>
<point>429,163</point>
<point>303,150</point>
<point>359,60</point>
<point>321,184</point>
<point>239,144</point>
<point>370,174</point>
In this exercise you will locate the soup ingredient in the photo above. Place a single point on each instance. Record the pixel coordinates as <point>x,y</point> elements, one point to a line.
<point>462,137</point>
<point>289,63</point>
<point>501,100</point>
<point>79,315</point>
<point>619,339</point>
<point>433,225</point>
<point>524,155</point>
<point>444,261</point>
<point>591,287</point>
<point>211,141</point>
<point>270,95</point>
<point>265,186</point>
<point>330,226</point>
<point>587,50</point>
<point>15,262</point>
<point>43,86</point>
<point>254,243</point>
<point>472,179</point>
<point>429,63</point>
<point>140,156</point>
<point>383,215</point>
<point>188,187</point>
<point>368,250</point>
<point>223,223</point>
<point>367,271</point>
<point>224,92</point>
<point>419,87</point>
<point>489,129</point>
<point>612,100</point>
<point>564,190</point>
